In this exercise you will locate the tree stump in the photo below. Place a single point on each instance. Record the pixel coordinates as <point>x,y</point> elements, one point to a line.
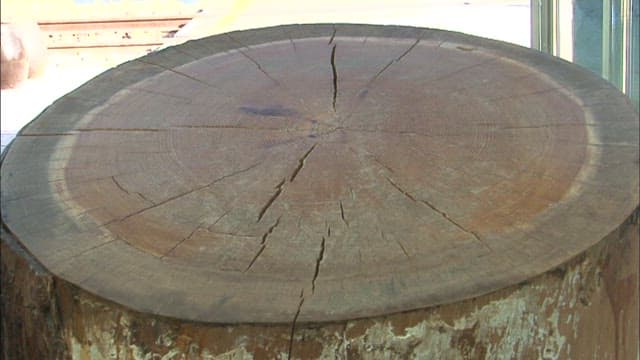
<point>326,191</point>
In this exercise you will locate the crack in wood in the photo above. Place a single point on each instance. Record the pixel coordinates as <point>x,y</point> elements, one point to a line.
<point>263,244</point>
<point>301,163</point>
<point>377,161</point>
<point>544,126</point>
<point>280,187</point>
<point>293,324</point>
<point>372,157</point>
<point>238,127</point>
<point>406,254</point>
<point>463,69</point>
<point>393,61</point>
<point>172,198</point>
<point>113,178</point>
<point>218,220</point>
<point>180,242</point>
<point>260,68</point>
<point>335,76</point>
<point>177,72</point>
<point>401,190</point>
<point>317,268</point>
<point>456,224</point>
<point>293,96</point>
<point>255,257</point>
<point>121,130</point>
<point>333,35</point>
<point>344,219</point>
<point>223,233</point>
<point>442,213</point>
<point>117,183</point>
<point>271,199</point>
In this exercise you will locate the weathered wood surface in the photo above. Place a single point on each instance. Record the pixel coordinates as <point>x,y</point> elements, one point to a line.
<point>586,308</point>
<point>311,174</point>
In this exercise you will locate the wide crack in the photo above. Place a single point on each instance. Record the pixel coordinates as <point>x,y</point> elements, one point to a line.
<point>335,76</point>
<point>263,243</point>
<point>281,185</point>
<point>318,262</point>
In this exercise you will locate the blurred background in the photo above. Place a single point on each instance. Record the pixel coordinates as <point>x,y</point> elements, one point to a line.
<point>83,38</point>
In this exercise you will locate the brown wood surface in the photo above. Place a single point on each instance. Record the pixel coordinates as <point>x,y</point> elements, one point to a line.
<point>321,172</point>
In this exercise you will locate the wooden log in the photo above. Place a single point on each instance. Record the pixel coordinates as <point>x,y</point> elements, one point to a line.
<point>326,191</point>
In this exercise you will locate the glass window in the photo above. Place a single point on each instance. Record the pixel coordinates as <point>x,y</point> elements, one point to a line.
<point>601,35</point>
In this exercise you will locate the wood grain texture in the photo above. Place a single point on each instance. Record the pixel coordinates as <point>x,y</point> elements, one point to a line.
<point>585,308</point>
<point>321,173</point>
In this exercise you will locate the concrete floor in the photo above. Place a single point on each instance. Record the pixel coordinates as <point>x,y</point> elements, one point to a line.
<point>507,20</point>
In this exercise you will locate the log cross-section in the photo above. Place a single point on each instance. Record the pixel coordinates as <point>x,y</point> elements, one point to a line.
<point>327,174</point>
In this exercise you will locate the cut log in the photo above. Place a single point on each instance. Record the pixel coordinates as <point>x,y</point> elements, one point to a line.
<point>326,191</point>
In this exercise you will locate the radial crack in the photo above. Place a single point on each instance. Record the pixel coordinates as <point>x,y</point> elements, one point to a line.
<point>262,247</point>
<point>113,178</point>
<point>280,186</point>
<point>122,130</point>
<point>403,249</point>
<point>263,244</point>
<point>180,242</point>
<point>301,163</point>
<point>543,126</point>
<point>333,35</point>
<point>456,224</point>
<point>155,205</point>
<point>401,190</point>
<point>257,64</point>
<point>144,198</point>
<point>250,58</point>
<point>117,183</point>
<point>318,262</point>
<point>271,199</point>
<point>335,76</point>
<point>394,61</point>
<point>176,72</point>
<point>237,127</point>
<point>442,213</point>
<point>397,242</point>
<point>344,219</point>
<point>293,323</point>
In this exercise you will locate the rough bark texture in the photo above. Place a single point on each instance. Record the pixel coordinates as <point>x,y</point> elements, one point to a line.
<point>586,308</point>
